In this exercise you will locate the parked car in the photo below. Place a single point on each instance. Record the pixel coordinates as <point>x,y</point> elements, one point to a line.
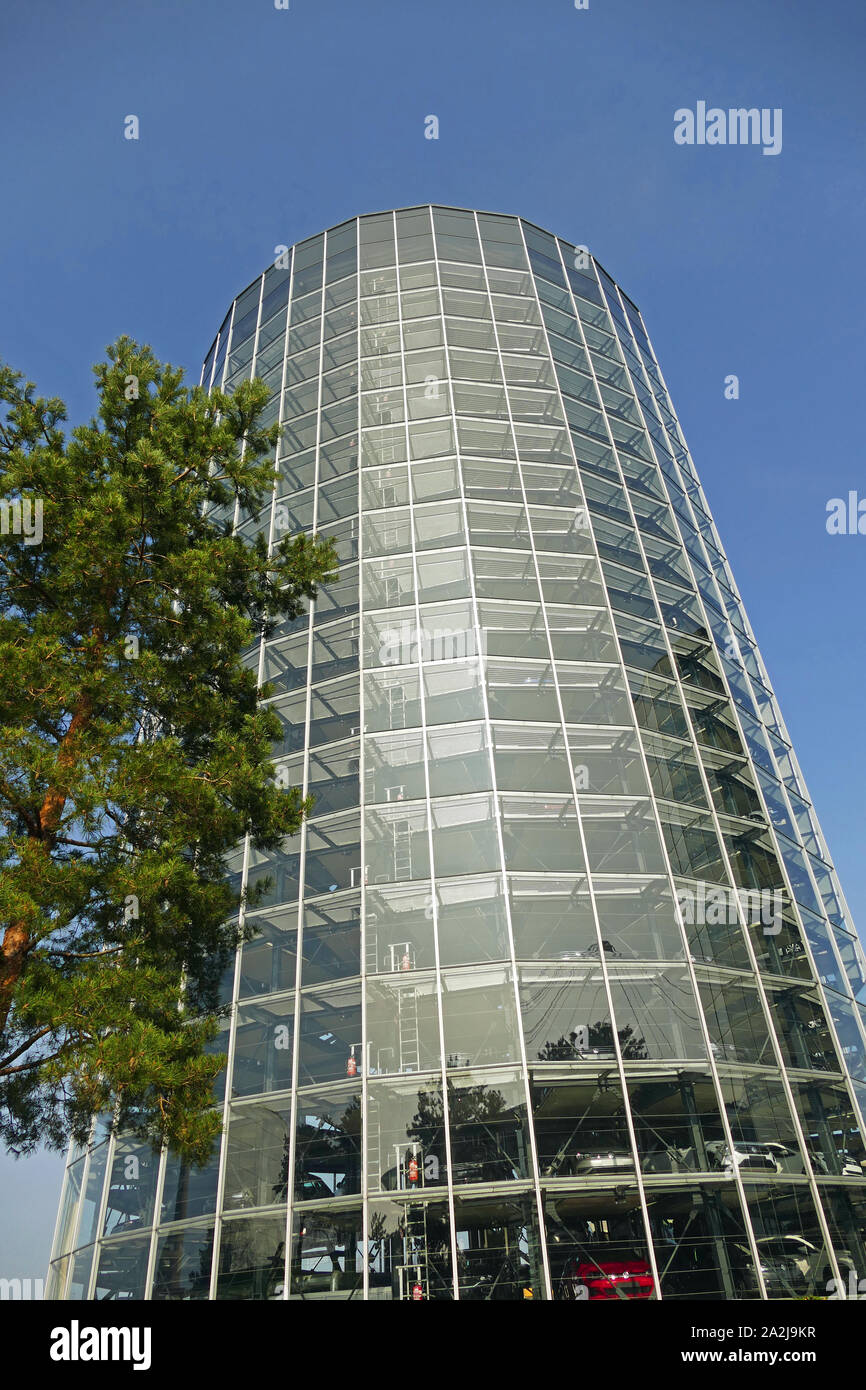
<point>484,1170</point>
<point>810,1260</point>
<point>601,1161</point>
<point>791,1162</point>
<point>745,1154</point>
<point>606,1279</point>
<point>793,1266</point>
<point>309,1187</point>
<point>788,1159</point>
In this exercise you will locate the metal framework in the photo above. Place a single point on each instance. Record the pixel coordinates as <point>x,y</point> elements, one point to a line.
<point>492,1042</point>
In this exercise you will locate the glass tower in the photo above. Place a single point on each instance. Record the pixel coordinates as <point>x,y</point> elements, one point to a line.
<point>556,994</point>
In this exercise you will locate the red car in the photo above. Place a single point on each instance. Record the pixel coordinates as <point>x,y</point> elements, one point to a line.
<point>611,1279</point>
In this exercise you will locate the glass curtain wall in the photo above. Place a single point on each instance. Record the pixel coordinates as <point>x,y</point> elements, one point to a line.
<point>556,994</point>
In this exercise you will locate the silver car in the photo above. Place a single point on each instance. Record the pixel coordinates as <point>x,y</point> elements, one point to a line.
<point>602,1161</point>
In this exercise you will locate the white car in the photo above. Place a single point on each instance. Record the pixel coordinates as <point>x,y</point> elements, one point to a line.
<point>746,1154</point>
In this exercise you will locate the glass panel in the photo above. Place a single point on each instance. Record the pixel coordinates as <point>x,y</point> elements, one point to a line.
<point>464,835</point>
<point>67,1219</point>
<point>409,1250</point>
<point>764,1138</point>
<point>552,917</point>
<point>735,1020</point>
<point>566,1016</point>
<point>252,1258</point>
<point>87,1228</point>
<point>257,1156</point>
<point>656,1012</point>
<point>131,1187</point>
<point>541,836</point>
<point>845,1210</point>
<point>591,694</point>
<point>405,1121</point>
<point>328,1143</point>
<point>122,1269</point>
<point>621,837</point>
<point>327,1252</point>
<point>523,690</point>
<point>702,1249</point>
<point>802,1028</point>
<point>531,758</point>
<point>637,919</point>
<point>263,1048</point>
<point>399,932</point>
<point>330,1042</point>
<point>498,1254</point>
<point>471,919</point>
<point>596,1244</point>
<point>188,1191</point>
<point>489,1139</point>
<point>580,1125</point>
<point>676,1117</point>
<point>403,1024</point>
<point>479,1017</point>
<point>79,1277</point>
<point>794,1260</point>
<point>183,1264</point>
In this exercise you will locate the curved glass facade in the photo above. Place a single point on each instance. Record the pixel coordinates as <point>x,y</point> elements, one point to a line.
<point>556,994</point>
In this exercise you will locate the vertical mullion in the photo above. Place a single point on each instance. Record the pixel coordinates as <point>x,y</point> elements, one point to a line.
<point>428,802</point>
<point>297,997</point>
<point>362,797</point>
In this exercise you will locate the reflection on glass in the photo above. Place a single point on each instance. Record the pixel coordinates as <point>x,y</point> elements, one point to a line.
<point>251,1262</point>
<point>409,1250</point>
<point>557,830</point>
<point>328,1143</point>
<point>183,1264</point>
<point>498,1249</point>
<point>327,1253</point>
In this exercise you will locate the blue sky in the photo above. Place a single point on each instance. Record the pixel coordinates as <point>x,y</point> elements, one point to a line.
<point>259,127</point>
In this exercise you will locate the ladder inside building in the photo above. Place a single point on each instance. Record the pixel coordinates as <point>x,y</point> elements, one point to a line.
<point>397,707</point>
<point>371,942</point>
<point>407,1030</point>
<point>374,1142</point>
<point>402,849</point>
<point>416,1269</point>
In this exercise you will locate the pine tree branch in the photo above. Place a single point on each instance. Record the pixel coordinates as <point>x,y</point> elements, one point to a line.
<point>25,1047</point>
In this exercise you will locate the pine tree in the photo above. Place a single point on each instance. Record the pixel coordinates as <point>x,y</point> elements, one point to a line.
<point>135,748</point>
